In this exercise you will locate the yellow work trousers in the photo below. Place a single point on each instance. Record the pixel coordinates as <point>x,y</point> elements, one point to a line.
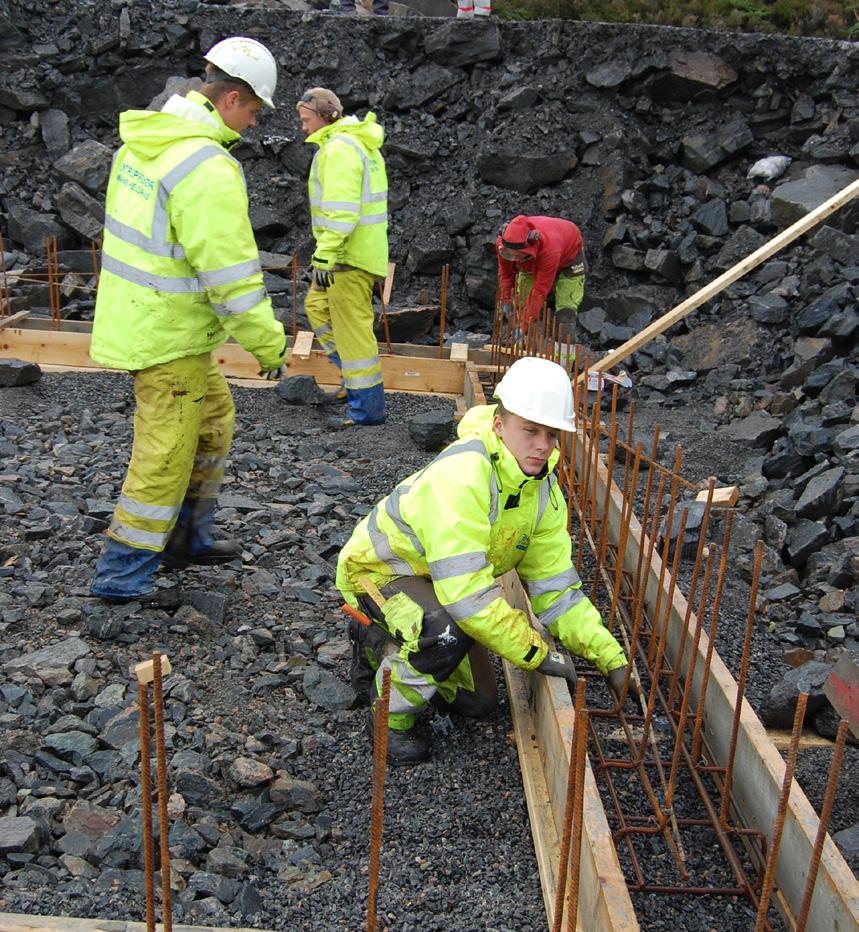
<point>183,426</point>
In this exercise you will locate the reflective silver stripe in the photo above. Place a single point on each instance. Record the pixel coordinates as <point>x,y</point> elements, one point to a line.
<point>557,583</point>
<point>493,498</point>
<point>545,493</point>
<point>396,564</point>
<point>362,381</point>
<point>147,243</point>
<point>462,563</point>
<point>230,273</point>
<point>392,508</point>
<point>376,197</point>
<point>462,446</point>
<point>151,512</point>
<point>474,603</point>
<point>150,279</point>
<point>135,536</point>
<point>354,206</point>
<point>339,226</point>
<point>564,603</point>
<point>187,165</point>
<point>241,304</point>
<point>373,218</point>
<point>350,364</point>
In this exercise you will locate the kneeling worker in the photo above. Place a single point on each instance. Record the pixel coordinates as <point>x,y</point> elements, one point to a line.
<point>487,504</point>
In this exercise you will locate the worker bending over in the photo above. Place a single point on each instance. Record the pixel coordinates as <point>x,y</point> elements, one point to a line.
<point>487,504</point>
<point>348,190</point>
<point>537,257</point>
<point>181,273</point>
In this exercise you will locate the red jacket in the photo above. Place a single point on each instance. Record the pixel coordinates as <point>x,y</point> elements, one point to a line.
<point>559,245</point>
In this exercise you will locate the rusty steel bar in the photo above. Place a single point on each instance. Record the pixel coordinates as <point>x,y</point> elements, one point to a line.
<point>684,701</point>
<point>823,824</point>
<point>595,449</point>
<point>146,804</point>
<point>443,314</point>
<point>580,744</point>
<point>161,776</point>
<point>586,461</point>
<point>781,812</point>
<point>698,728</point>
<point>628,502</point>
<point>380,760</point>
<point>741,681</point>
<point>601,550</point>
<point>564,855</point>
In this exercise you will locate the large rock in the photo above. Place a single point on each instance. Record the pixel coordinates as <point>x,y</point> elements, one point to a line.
<point>30,228</point>
<point>792,200</point>
<point>328,691</point>
<point>823,495</point>
<point>517,171</point>
<point>88,164</point>
<point>779,709</point>
<point>15,372</point>
<point>425,83</point>
<point>451,44</point>
<point>19,834</point>
<point>690,75</point>
<point>431,430</point>
<point>758,430</point>
<point>41,662</point>
<point>81,211</point>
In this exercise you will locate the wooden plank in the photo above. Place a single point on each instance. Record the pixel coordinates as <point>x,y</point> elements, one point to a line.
<point>389,284</point>
<point>399,373</point>
<point>806,223</point>
<point>17,922</point>
<point>726,497</point>
<point>303,345</point>
<point>758,768</point>
<point>13,318</point>
<point>808,739</point>
<point>459,352</point>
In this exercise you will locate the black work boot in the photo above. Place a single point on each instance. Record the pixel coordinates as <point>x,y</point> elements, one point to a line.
<point>166,599</point>
<point>177,554</point>
<point>405,748</point>
<point>361,673</point>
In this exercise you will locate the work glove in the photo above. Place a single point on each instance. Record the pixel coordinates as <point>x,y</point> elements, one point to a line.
<point>507,310</point>
<point>323,272</point>
<point>275,374</point>
<point>615,680</point>
<point>558,664</point>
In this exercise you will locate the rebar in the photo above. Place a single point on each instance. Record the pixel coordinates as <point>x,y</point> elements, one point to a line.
<point>741,682</point>
<point>778,828</point>
<point>823,824</point>
<point>581,755</point>
<point>380,759</point>
<point>445,270</point>
<point>146,804</point>
<point>569,808</point>
<point>161,775</point>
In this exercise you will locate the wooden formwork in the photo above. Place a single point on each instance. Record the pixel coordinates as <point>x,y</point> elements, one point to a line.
<point>16,922</point>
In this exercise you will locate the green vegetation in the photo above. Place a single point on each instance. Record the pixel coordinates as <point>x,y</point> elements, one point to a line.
<point>833,19</point>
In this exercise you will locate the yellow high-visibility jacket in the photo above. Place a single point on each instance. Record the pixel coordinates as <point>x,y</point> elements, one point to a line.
<point>464,520</point>
<point>180,266</point>
<point>348,190</point>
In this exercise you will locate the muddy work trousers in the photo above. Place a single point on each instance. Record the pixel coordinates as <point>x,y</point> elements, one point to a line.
<point>443,663</point>
<point>183,427</point>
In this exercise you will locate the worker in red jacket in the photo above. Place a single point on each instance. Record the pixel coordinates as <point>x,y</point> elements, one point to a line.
<point>538,256</point>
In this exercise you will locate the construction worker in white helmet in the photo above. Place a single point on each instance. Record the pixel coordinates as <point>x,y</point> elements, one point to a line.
<point>180,274</point>
<point>348,191</point>
<point>435,547</point>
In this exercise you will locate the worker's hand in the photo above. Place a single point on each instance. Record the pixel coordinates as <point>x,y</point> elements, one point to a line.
<point>323,272</point>
<point>272,375</point>
<point>507,310</point>
<point>558,664</point>
<point>615,680</point>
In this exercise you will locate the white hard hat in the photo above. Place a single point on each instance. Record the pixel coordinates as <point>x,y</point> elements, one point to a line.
<point>249,61</point>
<point>540,391</point>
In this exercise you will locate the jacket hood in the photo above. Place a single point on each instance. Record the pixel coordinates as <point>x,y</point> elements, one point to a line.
<point>515,236</point>
<point>477,422</point>
<point>149,132</point>
<point>367,131</point>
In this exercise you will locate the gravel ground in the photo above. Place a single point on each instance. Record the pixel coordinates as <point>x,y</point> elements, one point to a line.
<point>261,665</point>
